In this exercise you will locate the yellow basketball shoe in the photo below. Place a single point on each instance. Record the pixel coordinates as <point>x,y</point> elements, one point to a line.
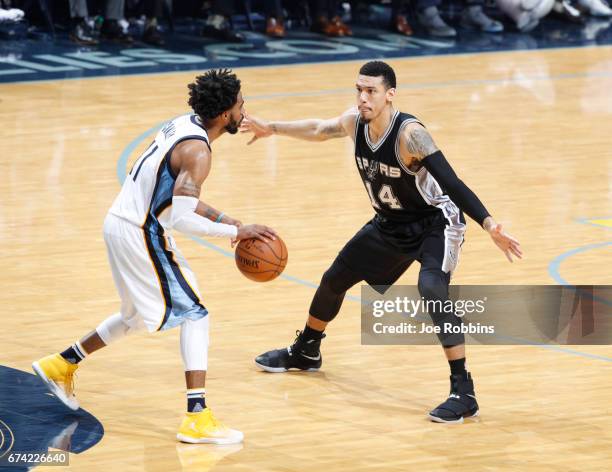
<point>57,374</point>
<point>203,427</point>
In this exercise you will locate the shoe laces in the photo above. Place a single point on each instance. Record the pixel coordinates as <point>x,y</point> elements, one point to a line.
<point>69,383</point>
<point>215,423</point>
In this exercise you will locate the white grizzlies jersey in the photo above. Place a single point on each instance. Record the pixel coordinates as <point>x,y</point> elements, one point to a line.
<point>148,188</point>
<point>154,281</point>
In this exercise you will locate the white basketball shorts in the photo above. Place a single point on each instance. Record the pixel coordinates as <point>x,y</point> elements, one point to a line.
<point>156,285</point>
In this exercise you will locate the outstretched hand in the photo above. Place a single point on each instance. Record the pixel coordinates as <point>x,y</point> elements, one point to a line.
<point>509,245</point>
<point>260,128</point>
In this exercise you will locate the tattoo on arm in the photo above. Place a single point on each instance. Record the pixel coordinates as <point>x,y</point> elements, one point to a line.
<point>274,128</point>
<point>189,189</point>
<point>332,130</point>
<point>211,213</point>
<point>419,143</point>
<point>207,211</point>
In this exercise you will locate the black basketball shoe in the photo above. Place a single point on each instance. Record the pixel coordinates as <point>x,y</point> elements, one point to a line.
<point>302,355</point>
<point>461,403</point>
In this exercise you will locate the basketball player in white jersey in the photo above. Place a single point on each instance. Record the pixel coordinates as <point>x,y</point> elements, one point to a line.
<point>418,202</point>
<point>158,290</point>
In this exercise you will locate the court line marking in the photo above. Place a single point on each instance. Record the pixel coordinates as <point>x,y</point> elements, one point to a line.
<point>122,173</point>
<point>12,438</point>
<point>554,265</point>
<point>341,61</point>
<point>589,221</point>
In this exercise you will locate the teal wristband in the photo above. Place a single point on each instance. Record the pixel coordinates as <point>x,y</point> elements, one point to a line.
<point>219,218</point>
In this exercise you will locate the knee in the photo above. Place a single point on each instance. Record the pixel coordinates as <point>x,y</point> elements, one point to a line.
<point>113,328</point>
<point>433,285</point>
<point>338,278</point>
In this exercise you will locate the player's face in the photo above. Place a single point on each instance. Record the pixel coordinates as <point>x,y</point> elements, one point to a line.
<point>372,96</point>
<point>235,115</point>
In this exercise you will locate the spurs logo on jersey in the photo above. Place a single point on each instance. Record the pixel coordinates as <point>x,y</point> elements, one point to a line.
<point>389,171</point>
<point>372,170</point>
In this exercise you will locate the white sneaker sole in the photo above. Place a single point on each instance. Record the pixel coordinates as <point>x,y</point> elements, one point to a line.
<point>54,389</point>
<point>222,441</point>
<point>278,370</point>
<point>435,419</point>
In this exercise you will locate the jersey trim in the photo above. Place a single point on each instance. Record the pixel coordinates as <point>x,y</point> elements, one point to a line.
<point>178,141</point>
<point>194,120</point>
<point>161,277</point>
<point>144,158</point>
<point>374,147</point>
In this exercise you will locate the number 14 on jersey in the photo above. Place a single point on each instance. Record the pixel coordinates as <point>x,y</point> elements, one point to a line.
<point>385,195</point>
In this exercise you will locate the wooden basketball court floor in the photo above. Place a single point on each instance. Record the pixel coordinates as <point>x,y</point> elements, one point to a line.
<point>529,131</point>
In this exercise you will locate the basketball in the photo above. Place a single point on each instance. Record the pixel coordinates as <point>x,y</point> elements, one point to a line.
<point>261,261</point>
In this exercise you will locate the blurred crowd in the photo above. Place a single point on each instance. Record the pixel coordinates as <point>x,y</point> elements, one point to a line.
<point>91,21</point>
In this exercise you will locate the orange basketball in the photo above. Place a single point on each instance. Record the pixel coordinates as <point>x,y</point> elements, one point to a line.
<point>261,261</point>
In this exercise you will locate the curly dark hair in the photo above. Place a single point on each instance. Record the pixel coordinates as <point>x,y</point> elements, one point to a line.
<point>213,92</point>
<point>379,69</point>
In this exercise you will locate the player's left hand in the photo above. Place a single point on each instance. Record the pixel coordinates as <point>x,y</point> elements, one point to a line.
<point>509,245</point>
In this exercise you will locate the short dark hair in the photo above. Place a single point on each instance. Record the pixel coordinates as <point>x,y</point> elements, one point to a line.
<point>213,92</point>
<point>379,69</point>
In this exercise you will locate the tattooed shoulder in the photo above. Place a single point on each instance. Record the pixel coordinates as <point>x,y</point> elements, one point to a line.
<point>419,142</point>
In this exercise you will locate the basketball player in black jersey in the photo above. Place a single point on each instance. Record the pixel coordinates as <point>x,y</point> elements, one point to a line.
<point>419,203</point>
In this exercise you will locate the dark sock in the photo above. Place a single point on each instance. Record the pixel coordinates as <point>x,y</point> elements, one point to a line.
<point>457,367</point>
<point>73,354</point>
<point>196,400</point>
<point>311,334</point>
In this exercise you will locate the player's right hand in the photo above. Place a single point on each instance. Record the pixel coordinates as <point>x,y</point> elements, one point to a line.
<point>260,128</point>
<point>265,233</point>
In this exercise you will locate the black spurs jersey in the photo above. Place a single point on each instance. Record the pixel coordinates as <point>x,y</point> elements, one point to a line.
<point>397,192</point>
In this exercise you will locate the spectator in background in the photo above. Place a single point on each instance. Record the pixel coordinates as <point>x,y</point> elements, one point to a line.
<point>275,20</point>
<point>596,8</point>
<point>111,29</point>
<point>218,22</point>
<point>153,10</point>
<point>12,15</point>
<point>430,19</point>
<point>473,17</point>
<point>399,22</point>
<point>325,18</point>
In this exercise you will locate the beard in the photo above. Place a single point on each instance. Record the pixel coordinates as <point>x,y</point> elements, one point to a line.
<point>233,126</point>
<point>365,120</point>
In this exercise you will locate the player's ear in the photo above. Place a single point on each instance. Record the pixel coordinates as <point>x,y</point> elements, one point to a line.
<point>390,93</point>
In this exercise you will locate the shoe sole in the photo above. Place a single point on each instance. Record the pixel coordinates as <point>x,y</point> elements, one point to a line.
<point>220,441</point>
<point>436,419</point>
<point>54,389</point>
<point>279,370</point>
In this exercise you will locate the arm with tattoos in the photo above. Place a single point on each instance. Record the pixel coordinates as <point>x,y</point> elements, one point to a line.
<point>417,144</point>
<point>308,130</point>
